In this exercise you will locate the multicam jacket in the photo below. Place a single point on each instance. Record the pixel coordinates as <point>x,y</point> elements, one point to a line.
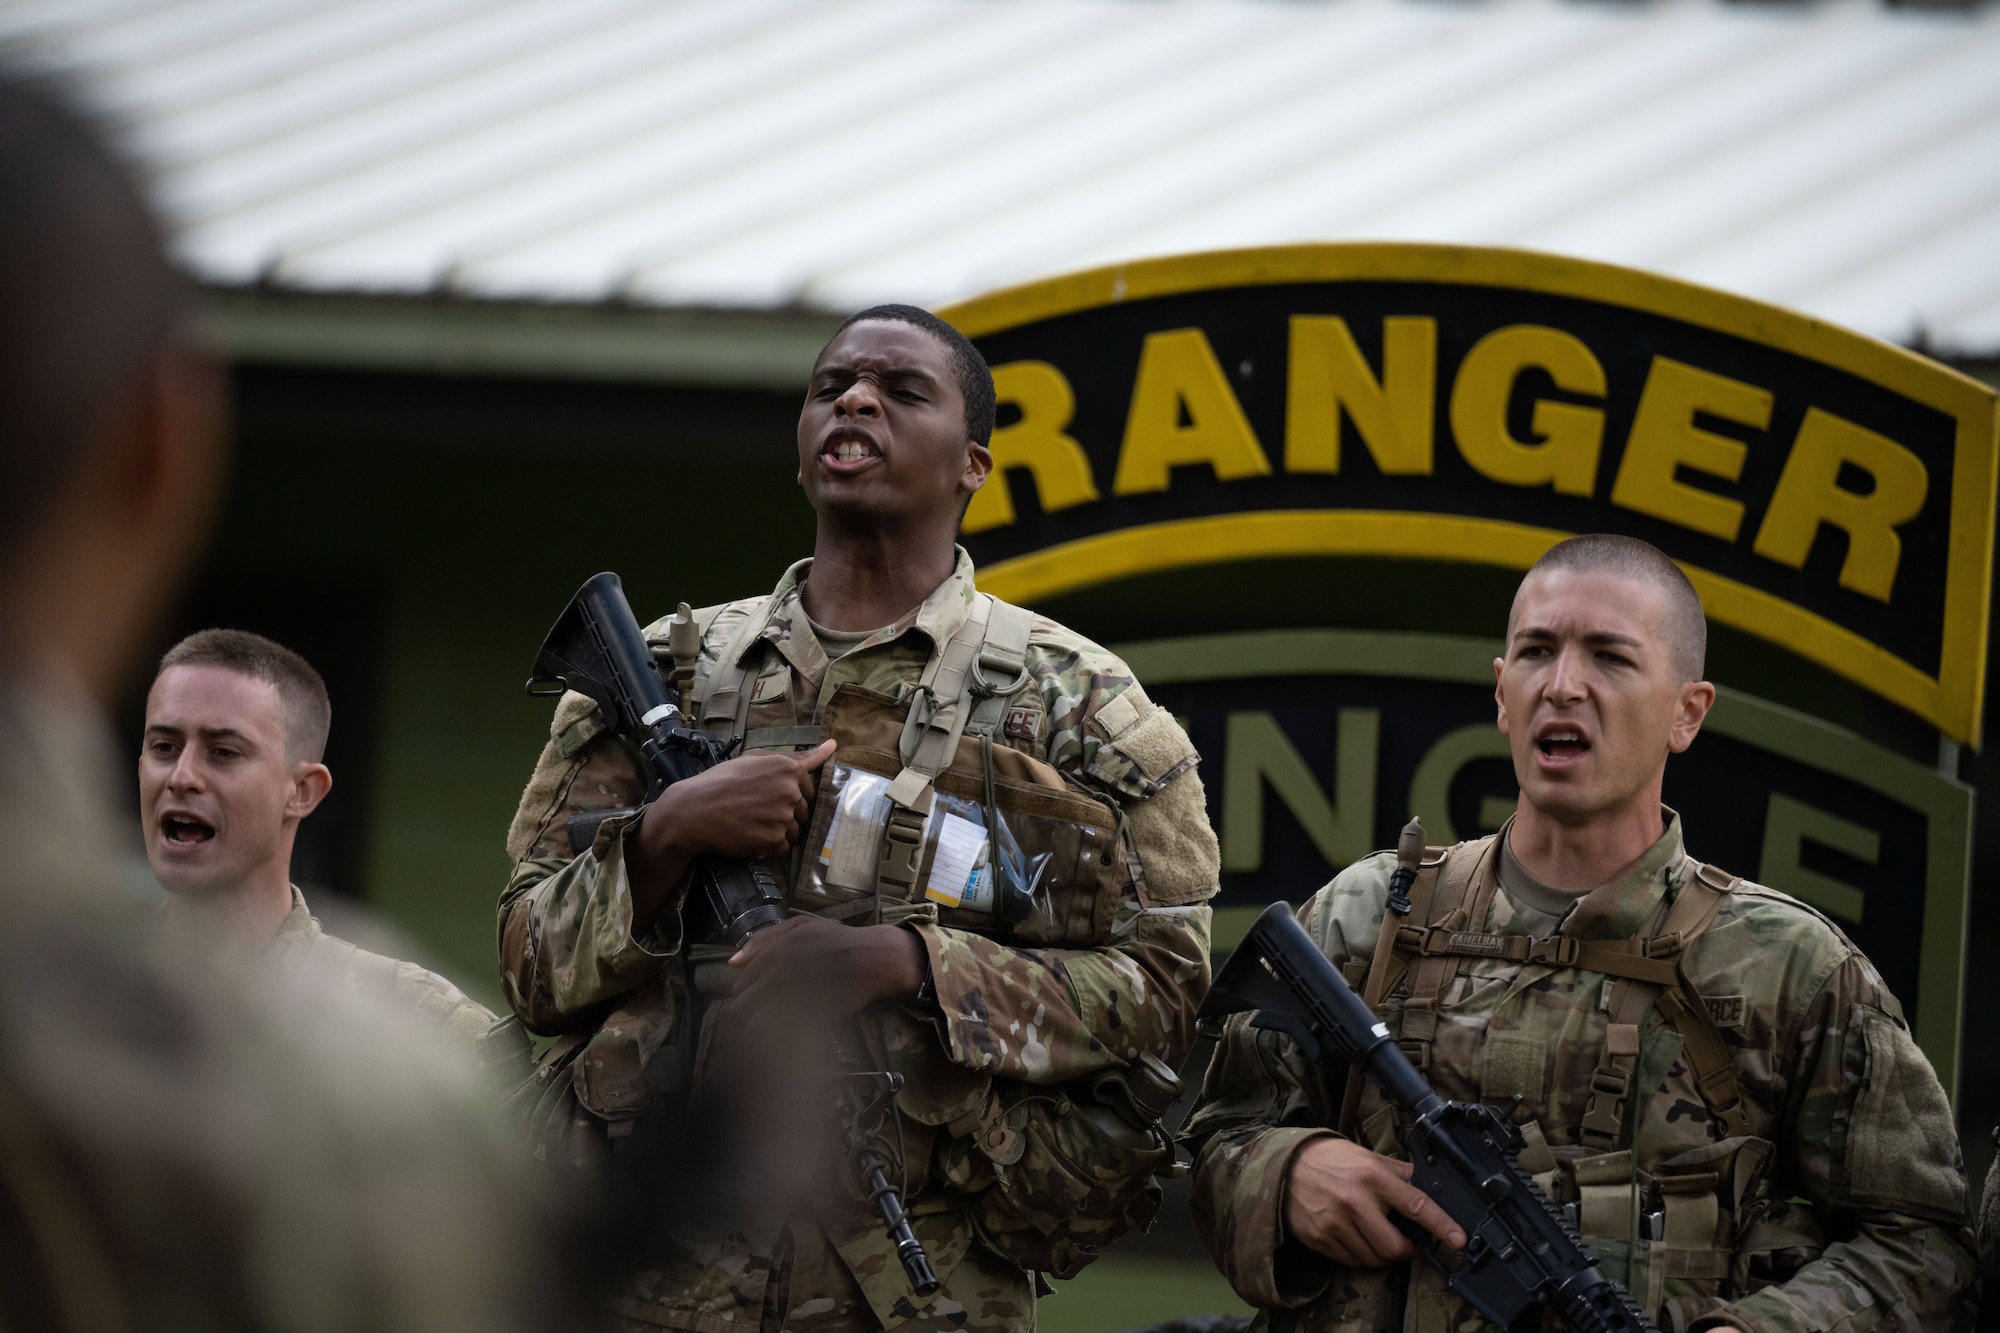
<point>1843,1207</point>
<point>1009,1015</point>
<point>403,987</point>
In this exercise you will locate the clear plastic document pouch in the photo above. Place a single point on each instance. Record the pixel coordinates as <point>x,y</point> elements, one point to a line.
<point>1009,848</point>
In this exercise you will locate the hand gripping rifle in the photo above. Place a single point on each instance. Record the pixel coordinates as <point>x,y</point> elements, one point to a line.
<point>1519,1252</point>
<point>597,649</point>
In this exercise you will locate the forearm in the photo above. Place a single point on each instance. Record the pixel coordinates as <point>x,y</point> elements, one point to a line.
<point>1049,1015</point>
<point>1894,1272</point>
<point>1250,1126</point>
<point>566,941</point>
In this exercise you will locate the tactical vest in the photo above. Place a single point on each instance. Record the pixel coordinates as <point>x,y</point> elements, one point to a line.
<point>1684,1234</point>
<point>921,815</point>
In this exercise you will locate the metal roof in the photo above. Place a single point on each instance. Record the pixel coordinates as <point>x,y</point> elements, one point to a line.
<point>1838,157</point>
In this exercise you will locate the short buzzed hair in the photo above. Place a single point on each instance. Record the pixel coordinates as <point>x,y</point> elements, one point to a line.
<point>969,368</point>
<point>86,292</point>
<point>302,697</point>
<point>1685,626</point>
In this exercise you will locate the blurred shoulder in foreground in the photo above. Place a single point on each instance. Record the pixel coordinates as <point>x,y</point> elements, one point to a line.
<point>178,1148</point>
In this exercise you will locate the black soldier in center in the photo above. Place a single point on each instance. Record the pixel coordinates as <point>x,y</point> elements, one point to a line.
<point>1030,962</point>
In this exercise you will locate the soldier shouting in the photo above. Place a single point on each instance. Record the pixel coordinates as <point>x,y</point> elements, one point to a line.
<point>997,855</point>
<point>1749,1138</point>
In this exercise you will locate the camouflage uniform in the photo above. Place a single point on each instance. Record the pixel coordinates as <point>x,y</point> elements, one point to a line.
<point>188,1141</point>
<point>404,987</point>
<point>1009,1014</point>
<point>1844,1207</point>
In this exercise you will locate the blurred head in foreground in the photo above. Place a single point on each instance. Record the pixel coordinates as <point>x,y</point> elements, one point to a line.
<point>183,1143</point>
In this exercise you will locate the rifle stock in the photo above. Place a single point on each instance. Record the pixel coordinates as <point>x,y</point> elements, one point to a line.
<point>1520,1252</point>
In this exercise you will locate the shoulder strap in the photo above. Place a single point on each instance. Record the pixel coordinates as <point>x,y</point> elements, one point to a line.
<point>1648,975</point>
<point>1465,886</point>
<point>1002,668</point>
<point>725,704</point>
<point>1454,870</point>
<point>1646,970</point>
<point>938,713</point>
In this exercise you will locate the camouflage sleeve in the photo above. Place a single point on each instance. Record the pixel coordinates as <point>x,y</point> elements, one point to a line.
<point>1873,1149</point>
<point>1047,1015</point>
<point>1260,1104</point>
<point>566,921</point>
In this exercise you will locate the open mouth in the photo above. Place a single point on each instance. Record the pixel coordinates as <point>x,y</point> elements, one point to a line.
<point>185,830</point>
<point>1563,744</point>
<point>849,448</point>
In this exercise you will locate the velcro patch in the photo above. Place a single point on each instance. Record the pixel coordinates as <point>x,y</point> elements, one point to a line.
<point>1725,1011</point>
<point>1022,724</point>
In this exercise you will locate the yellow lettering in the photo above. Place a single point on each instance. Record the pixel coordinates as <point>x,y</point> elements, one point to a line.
<point>1568,437</point>
<point>1178,372</point>
<point>1664,438</point>
<point>1809,493</point>
<point>1036,443</point>
<point>1392,415</point>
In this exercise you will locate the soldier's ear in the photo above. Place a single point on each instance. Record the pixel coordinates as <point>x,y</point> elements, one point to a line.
<point>978,467</point>
<point>1697,697</point>
<point>310,784</point>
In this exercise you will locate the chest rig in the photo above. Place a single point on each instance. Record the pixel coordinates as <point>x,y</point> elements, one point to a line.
<point>917,765</point>
<point>1427,949</point>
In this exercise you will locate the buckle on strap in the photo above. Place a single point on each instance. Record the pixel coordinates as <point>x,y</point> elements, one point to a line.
<point>1611,1081</point>
<point>1665,946</point>
<point>902,850</point>
<point>1553,950</point>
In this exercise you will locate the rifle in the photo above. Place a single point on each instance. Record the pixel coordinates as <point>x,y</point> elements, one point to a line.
<point>597,649</point>
<point>1520,1252</point>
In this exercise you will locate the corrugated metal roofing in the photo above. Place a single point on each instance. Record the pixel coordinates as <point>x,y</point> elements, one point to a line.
<point>1839,157</point>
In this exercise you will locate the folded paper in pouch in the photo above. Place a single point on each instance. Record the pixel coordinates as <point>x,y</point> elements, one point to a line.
<point>960,874</point>
<point>854,838</point>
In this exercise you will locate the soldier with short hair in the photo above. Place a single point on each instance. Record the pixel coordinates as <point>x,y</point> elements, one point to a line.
<point>999,867</point>
<point>231,762</point>
<point>1749,1140</point>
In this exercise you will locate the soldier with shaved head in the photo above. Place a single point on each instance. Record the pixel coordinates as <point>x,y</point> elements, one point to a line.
<point>1712,1080</point>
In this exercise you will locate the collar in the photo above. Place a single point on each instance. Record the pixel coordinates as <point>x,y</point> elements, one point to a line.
<point>787,627</point>
<point>1619,910</point>
<point>296,933</point>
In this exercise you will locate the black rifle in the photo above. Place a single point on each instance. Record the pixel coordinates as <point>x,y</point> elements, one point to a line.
<point>597,649</point>
<point>1520,1253</point>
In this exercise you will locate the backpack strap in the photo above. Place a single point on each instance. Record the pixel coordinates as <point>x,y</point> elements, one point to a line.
<point>725,704</point>
<point>1002,666</point>
<point>1655,980</point>
<point>1386,968</point>
<point>939,710</point>
<point>1465,889</point>
<point>1646,972</point>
